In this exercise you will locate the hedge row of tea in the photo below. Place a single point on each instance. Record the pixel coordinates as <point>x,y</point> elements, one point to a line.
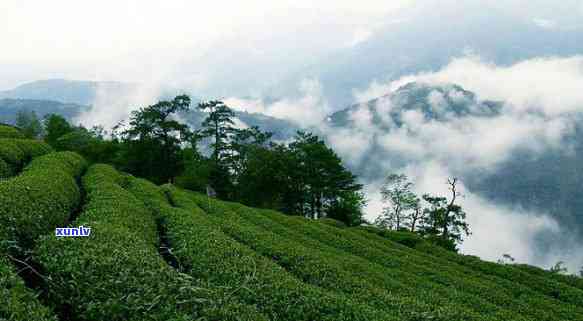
<point>39,199</point>
<point>31,204</point>
<point>319,265</point>
<point>518,277</point>
<point>221,302</point>
<point>10,132</point>
<point>422,284</point>
<point>486,294</point>
<point>116,273</point>
<point>14,153</point>
<point>17,302</point>
<point>206,252</point>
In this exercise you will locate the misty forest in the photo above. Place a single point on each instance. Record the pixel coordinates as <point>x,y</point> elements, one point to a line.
<point>412,160</point>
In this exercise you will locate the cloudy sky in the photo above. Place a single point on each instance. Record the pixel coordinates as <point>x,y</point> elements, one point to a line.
<point>302,60</point>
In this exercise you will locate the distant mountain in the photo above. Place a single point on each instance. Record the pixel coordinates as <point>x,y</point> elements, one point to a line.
<point>72,97</point>
<point>425,39</point>
<point>453,99</point>
<point>542,180</point>
<point>10,107</point>
<point>67,91</point>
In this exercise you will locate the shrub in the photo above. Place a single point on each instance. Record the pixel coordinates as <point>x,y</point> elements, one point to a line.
<point>5,170</point>
<point>17,152</point>
<point>10,132</point>
<point>332,222</point>
<point>525,284</point>
<point>206,252</point>
<point>467,288</point>
<point>40,198</point>
<point>431,286</point>
<point>337,271</point>
<point>11,153</point>
<point>116,272</point>
<point>17,302</point>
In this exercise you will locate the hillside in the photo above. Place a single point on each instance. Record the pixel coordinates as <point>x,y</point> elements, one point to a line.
<point>541,180</point>
<point>67,91</point>
<point>9,108</point>
<point>164,253</point>
<point>71,98</point>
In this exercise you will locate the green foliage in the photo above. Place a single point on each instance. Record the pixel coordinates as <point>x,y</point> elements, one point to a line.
<point>40,198</point>
<point>55,126</point>
<point>347,208</point>
<point>116,273</point>
<point>17,302</point>
<point>5,170</point>
<point>11,153</point>
<point>218,125</point>
<point>429,286</point>
<point>318,176</point>
<point>396,191</point>
<point>334,270</point>
<point>332,222</point>
<point>443,221</point>
<point>90,144</point>
<point>197,170</point>
<point>15,153</point>
<point>559,268</point>
<point>29,124</point>
<point>10,132</point>
<point>207,253</point>
<point>525,284</point>
<point>153,138</point>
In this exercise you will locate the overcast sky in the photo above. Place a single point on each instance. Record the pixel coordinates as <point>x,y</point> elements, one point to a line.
<point>128,40</point>
<point>178,40</point>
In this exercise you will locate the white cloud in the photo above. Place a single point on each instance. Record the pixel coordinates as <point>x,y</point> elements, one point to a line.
<point>308,110</point>
<point>128,40</point>
<point>545,23</point>
<point>109,108</point>
<point>540,95</point>
<point>549,85</point>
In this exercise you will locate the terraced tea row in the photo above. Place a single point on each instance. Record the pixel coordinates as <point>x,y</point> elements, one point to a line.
<point>15,153</point>
<point>510,300</point>
<point>205,251</point>
<point>32,204</point>
<point>116,273</point>
<point>10,132</point>
<point>517,278</point>
<point>320,265</point>
<point>471,286</point>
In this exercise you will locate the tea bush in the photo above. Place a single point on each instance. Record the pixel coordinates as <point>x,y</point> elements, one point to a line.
<point>40,198</point>
<point>465,287</point>
<point>17,302</point>
<point>5,170</point>
<point>116,273</point>
<point>10,132</point>
<point>502,274</point>
<point>15,153</point>
<point>320,265</point>
<point>205,251</point>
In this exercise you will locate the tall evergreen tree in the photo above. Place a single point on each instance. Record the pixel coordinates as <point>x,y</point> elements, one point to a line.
<point>219,127</point>
<point>153,140</point>
<point>318,175</point>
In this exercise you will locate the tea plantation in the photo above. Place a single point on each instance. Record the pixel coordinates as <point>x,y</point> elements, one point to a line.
<point>163,253</point>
